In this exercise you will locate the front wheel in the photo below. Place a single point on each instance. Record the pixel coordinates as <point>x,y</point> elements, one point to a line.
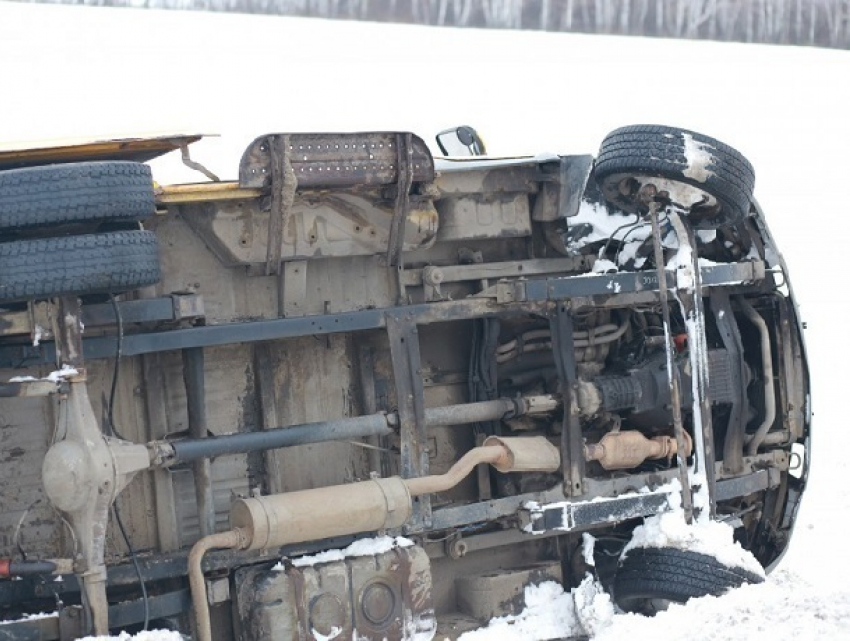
<point>708,179</point>
<point>647,579</point>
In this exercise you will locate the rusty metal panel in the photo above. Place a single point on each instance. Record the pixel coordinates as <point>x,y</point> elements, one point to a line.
<point>472,217</point>
<point>139,149</point>
<point>190,264</point>
<point>407,375</point>
<point>342,225</point>
<point>336,160</point>
<point>230,408</point>
<point>378,597</point>
<point>228,474</point>
<point>12,323</point>
<point>25,427</point>
<point>313,379</point>
<point>491,594</point>
<point>154,386</point>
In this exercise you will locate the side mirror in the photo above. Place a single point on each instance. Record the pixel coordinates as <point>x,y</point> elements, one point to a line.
<point>461,141</point>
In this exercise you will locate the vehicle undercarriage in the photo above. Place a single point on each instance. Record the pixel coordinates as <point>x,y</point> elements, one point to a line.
<point>484,358</point>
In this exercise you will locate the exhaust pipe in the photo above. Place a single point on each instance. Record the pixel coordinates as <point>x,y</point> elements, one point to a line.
<point>282,519</point>
<point>340,510</point>
<point>628,449</point>
<point>767,367</point>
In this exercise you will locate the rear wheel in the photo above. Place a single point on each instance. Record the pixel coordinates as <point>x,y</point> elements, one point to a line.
<point>710,180</point>
<point>75,193</point>
<point>647,579</point>
<point>90,264</point>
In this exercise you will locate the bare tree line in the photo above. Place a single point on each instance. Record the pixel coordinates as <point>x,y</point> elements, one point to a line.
<point>824,23</point>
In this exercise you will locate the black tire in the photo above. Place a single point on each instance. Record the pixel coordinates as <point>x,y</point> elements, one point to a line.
<point>75,193</point>
<point>682,156</point>
<point>90,264</point>
<point>648,575</point>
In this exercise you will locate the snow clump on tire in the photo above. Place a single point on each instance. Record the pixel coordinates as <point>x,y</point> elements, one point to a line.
<point>711,538</point>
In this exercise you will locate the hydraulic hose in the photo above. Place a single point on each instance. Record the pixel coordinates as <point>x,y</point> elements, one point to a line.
<point>527,342</point>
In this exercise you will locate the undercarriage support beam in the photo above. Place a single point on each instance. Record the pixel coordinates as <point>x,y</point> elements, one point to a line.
<point>410,392</point>
<point>572,447</point>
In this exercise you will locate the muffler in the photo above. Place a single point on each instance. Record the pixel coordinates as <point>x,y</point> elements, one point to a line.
<point>340,510</point>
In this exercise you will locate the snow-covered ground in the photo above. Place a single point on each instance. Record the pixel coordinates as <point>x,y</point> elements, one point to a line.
<point>72,71</point>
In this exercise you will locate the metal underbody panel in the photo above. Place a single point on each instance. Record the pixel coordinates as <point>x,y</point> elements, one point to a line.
<point>396,313</point>
<point>138,148</point>
<point>392,591</point>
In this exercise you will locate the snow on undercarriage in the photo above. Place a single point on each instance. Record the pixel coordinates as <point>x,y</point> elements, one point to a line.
<point>481,362</point>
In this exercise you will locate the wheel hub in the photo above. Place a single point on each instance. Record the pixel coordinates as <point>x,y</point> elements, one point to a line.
<point>634,192</point>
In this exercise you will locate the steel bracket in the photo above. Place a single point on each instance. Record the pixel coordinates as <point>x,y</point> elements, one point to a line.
<point>572,445</point>
<point>410,392</point>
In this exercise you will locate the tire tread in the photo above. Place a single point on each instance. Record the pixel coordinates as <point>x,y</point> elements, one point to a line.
<point>93,263</point>
<point>657,150</point>
<point>75,193</point>
<point>675,575</point>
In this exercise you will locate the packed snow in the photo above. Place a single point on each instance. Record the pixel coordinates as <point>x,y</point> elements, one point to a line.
<point>73,71</point>
<point>148,635</point>
<point>588,543</point>
<point>56,376</point>
<point>32,617</point>
<point>593,606</point>
<point>549,613</point>
<point>712,538</point>
<point>785,608</point>
<point>698,157</point>
<point>361,547</point>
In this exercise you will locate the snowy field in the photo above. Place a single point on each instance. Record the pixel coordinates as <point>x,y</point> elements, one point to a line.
<point>72,71</point>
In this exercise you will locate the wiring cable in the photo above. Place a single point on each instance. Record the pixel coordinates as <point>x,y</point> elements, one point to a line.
<point>110,419</point>
<point>135,560</point>
<point>604,250</point>
<point>110,410</point>
<point>638,225</point>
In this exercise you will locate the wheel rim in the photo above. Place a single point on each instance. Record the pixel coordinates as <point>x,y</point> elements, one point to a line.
<point>633,192</point>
